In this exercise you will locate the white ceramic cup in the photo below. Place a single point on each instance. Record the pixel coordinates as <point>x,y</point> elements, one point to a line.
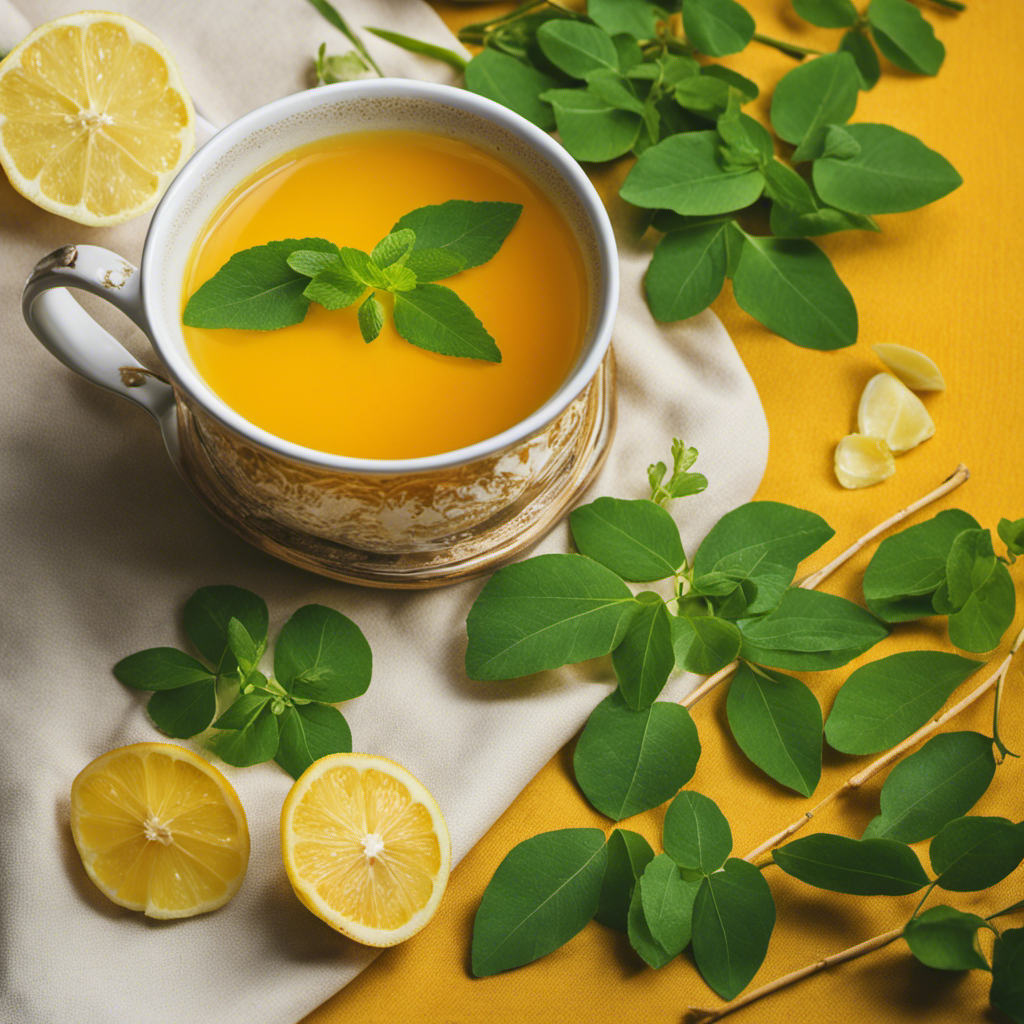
<point>333,513</point>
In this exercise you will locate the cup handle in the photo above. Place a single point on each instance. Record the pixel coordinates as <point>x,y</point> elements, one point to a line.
<point>75,338</point>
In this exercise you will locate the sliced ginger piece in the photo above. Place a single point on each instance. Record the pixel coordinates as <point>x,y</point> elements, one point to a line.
<point>913,368</point>
<point>891,411</point>
<point>861,461</point>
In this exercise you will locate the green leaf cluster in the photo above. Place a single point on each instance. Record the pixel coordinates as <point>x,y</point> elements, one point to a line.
<point>321,658</point>
<point>271,286</point>
<point>619,79</point>
<point>947,566</point>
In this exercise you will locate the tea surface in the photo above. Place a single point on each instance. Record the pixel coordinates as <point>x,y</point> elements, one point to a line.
<point>318,383</point>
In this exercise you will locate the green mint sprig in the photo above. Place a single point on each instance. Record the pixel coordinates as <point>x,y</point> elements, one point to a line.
<point>321,657</point>
<point>271,286</point>
<point>620,79</point>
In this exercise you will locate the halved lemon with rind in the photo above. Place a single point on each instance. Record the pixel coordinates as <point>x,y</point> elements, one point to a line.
<point>890,410</point>
<point>94,118</point>
<point>366,847</point>
<point>861,461</point>
<point>159,830</point>
<point>914,368</point>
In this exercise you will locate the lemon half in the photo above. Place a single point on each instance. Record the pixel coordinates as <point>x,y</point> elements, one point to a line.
<point>159,830</point>
<point>366,847</point>
<point>94,118</point>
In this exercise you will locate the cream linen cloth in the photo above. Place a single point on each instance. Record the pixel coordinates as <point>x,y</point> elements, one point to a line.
<point>102,543</point>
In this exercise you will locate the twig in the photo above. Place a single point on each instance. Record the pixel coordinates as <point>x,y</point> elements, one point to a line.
<point>960,475</point>
<point>887,758</point>
<point>789,49</point>
<point>705,1016</point>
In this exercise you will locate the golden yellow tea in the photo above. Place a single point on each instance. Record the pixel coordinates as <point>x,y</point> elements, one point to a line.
<point>317,383</point>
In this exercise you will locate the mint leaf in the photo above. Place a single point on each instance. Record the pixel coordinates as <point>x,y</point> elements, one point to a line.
<point>637,540</point>
<point>946,939</point>
<point>628,854</point>
<point>542,894</point>
<point>687,271</point>
<point>577,48</point>
<point>776,721</point>
<point>371,318</point>
<point>160,668</point>
<point>361,267</point>
<point>591,128</point>
<point>733,919</point>
<point>513,84</point>
<point>310,262</point>
<point>971,854</point>
<point>717,27</point>
<point>334,288</point>
<point>207,615</point>
<point>905,37</point>
<point>812,96</point>
<point>629,761</point>
<point>322,655</point>
<point>433,317</point>
<point>391,249</point>
<point>704,644</point>
<point>862,867</point>
<point>434,264</point>
<point>546,612</point>
<point>309,732</point>
<point>186,711</point>
<point>255,290</point>
<point>472,231</point>
<point>644,658</point>
<point>399,279</point>
<point>697,836</point>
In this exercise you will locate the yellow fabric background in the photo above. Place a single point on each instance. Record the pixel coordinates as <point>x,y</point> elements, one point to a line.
<point>946,280</point>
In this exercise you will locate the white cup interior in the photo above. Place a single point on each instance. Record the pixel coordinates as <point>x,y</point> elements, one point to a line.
<point>385,105</point>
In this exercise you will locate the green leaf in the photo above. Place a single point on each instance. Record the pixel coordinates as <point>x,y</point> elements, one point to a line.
<point>839,143</point>
<point>826,220</point>
<point>827,13</point>
<point>717,27</point>
<point>859,47</point>
<point>640,937</point>
<point>1007,993</point>
<point>733,918</point>
<point>667,899</point>
<point>250,733</point>
<point>242,646</point>
<point>160,668</point>
<point>862,867</point>
<point>636,18</point>
<point>882,703</point>
<point>682,173</point>
<point>471,231</point>
<point>789,285</point>
<point>813,95</point>
<point>591,128</point>
<point>322,655</point>
<point>433,317</point>
<point>808,620</point>
<point>927,790</point>
<point>946,939</point>
<point>764,541</point>
<point>543,893</point>
<point>207,614</point>
<point>186,711</point>
<point>910,566</point>
<point>331,68</point>
<point>628,854</point>
<point>971,854</point>
<point>703,95</point>
<point>1011,533</point>
<point>747,89</point>
<point>785,186</point>
<point>988,613</point>
<point>629,761</point>
<point>255,290</point>
<point>434,264</point>
<point>776,721</point>
<point>904,37</point>
<point>310,262</point>
<point>392,247</point>
<point>687,271</point>
<point>546,612</point>
<point>637,540</point>
<point>615,90</point>
<point>892,173</point>
<point>309,732</point>
<point>644,658</point>
<point>746,138</point>
<point>696,834</point>
<point>576,47</point>
<point>704,644</point>
<point>334,289</point>
<point>328,12</point>
<point>371,318</point>
<point>425,49</point>
<point>513,84</point>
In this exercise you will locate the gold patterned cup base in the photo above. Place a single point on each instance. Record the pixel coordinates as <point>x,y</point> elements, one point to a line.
<point>461,555</point>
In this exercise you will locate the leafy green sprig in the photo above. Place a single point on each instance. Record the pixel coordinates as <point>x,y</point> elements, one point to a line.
<point>271,286</point>
<point>621,79</point>
<point>321,657</point>
<point>331,68</point>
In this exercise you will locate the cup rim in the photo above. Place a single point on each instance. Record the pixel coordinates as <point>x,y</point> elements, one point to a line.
<point>191,176</point>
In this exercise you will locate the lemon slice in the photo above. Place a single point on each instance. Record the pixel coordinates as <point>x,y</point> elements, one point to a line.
<point>914,368</point>
<point>890,410</point>
<point>366,847</point>
<point>94,118</point>
<point>861,461</point>
<point>159,830</point>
